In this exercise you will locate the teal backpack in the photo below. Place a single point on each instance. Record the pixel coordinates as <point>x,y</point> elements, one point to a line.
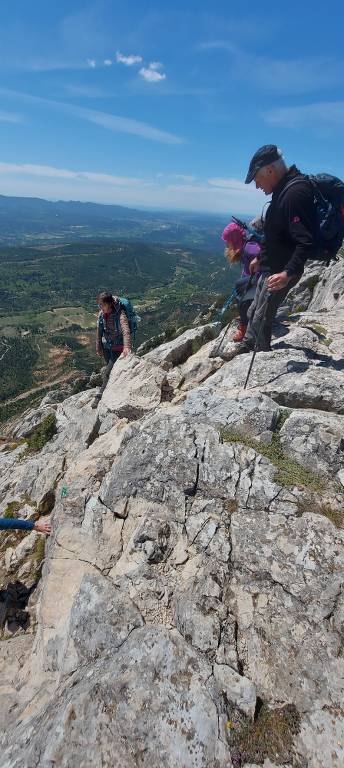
<point>133,318</point>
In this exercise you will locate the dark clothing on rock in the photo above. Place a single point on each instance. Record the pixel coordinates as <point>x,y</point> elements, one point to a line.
<point>113,335</point>
<point>290,232</point>
<point>290,227</point>
<point>113,332</point>
<point>7,523</point>
<point>243,310</point>
<point>262,313</point>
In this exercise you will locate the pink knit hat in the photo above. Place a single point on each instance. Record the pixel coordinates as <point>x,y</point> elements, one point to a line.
<point>234,236</point>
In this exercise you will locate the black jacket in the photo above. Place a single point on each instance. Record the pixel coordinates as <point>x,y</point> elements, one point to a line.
<point>290,226</point>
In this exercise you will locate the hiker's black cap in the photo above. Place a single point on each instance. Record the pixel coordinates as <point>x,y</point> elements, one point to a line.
<point>264,156</point>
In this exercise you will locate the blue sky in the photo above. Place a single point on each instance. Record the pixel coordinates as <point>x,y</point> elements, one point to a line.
<point>162,105</point>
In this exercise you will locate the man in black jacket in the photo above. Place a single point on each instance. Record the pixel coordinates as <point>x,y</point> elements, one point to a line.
<point>290,237</point>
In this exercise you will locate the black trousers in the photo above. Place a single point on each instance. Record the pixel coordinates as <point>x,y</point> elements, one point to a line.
<point>262,313</point>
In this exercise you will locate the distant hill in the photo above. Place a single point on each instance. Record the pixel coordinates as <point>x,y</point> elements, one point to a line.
<point>30,220</point>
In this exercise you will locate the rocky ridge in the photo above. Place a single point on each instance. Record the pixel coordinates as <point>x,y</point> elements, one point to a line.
<point>190,611</point>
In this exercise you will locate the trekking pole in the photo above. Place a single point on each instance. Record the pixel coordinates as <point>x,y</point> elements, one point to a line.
<point>257,340</point>
<point>222,340</point>
<point>226,306</point>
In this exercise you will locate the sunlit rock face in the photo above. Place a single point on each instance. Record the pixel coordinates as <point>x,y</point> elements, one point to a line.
<point>190,607</point>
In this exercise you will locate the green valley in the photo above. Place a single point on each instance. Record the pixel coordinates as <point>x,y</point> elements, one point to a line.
<point>48,304</point>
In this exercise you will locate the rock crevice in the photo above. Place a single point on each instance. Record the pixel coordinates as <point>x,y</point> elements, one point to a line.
<point>191,595</point>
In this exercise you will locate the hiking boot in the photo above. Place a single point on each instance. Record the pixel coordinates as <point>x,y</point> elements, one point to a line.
<point>96,401</point>
<point>240,332</point>
<point>239,349</point>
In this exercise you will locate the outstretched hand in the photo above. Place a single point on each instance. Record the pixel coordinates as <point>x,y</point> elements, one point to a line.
<point>43,526</point>
<point>126,351</point>
<point>254,265</point>
<point>278,281</point>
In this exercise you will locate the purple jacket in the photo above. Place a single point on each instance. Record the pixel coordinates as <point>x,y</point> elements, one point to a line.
<point>250,252</point>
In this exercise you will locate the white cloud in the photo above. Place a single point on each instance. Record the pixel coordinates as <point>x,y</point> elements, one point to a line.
<point>155,65</point>
<point>129,61</point>
<point>151,75</point>
<point>107,62</point>
<point>110,122</point>
<point>319,113</point>
<point>234,184</point>
<point>294,75</point>
<point>91,63</point>
<point>216,195</point>
<point>10,117</point>
<point>125,125</point>
<point>184,177</point>
<point>49,171</point>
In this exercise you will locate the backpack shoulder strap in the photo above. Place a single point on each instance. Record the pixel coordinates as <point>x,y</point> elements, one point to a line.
<point>293,182</point>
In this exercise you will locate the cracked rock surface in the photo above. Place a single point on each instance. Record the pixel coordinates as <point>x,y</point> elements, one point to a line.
<point>192,588</point>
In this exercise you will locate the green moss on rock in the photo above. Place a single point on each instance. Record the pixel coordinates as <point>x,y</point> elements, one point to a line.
<point>41,434</point>
<point>336,516</point>
<point>37,556</point>
<point>288,471</point>
<point>312,282</point>
<point>270,736</point>
<point>12,508</point>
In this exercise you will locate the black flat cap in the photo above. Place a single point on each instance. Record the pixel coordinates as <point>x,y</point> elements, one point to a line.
<point>264,156</point>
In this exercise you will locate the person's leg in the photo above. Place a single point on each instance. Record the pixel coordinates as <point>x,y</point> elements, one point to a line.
<point>242,326</point>
<point>255,314</point>
<point>243,310</point>
<point>110,359</point>
<point>260,318</point>
<point>273,301</point>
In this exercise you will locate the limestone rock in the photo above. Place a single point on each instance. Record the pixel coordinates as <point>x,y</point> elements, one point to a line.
<point>158,676</point>
<point>15,556</point>
<point>195,569</point>
<point>315,440</point>
<point>237,688</point>
<point>135,387</point>
<point>318,388</point>
<point>329,291</point>
<point>301,295</point>
<point>199,367</point>
<point>180,349</point>
<point>31,420</point>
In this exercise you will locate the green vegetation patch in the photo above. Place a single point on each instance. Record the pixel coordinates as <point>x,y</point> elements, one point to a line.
<point>18,357</point>
<point>270,736</point>
<point>12,508</point>
<point>336,516</point>
<point>312,282</point>
<point>288,471</point>
<point>41,434</point>
<point>12,410</point>
<point>37,556</point>
<point>319,329</point>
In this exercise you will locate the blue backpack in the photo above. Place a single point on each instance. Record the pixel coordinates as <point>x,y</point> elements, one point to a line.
<point>133,318</point>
